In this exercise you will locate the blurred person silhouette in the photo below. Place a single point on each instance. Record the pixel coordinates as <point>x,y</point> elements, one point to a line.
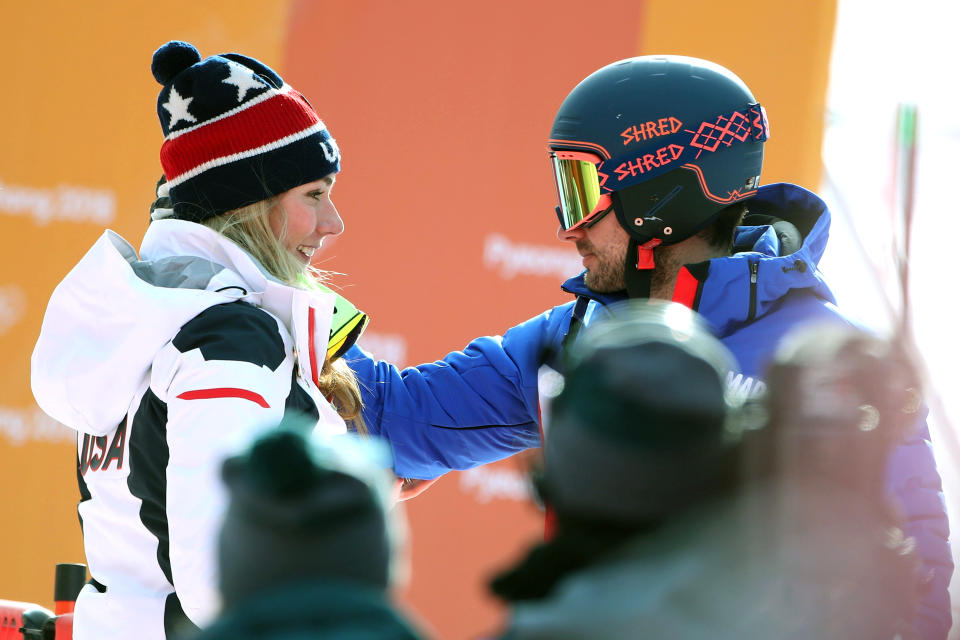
<point>312,541</point>
<point>840,402</point>
<point>683,513</point>
<point>219,326</point>
<point>657,162</point>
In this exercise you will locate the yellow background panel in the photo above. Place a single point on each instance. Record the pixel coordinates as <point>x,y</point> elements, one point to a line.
<point>780,49</point>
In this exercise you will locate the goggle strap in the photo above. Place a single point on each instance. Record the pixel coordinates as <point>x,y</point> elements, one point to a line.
<point>651,159</point>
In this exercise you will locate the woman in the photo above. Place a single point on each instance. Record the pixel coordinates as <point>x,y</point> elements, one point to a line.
<point>163,362</point>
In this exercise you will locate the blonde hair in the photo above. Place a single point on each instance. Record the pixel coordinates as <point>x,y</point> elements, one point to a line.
<point>249,227</point>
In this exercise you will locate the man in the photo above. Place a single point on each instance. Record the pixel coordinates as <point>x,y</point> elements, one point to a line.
<point>657,162</point>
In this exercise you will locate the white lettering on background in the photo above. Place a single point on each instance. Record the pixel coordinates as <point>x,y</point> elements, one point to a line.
<point>512,259</point>
<point>486,484</point>
<point>64,203</point>
<point>391,347</point>
<point>20,426</point>
<point>13,302</point>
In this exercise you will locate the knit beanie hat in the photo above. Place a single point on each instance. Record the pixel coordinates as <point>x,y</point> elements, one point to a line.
<point>642,425</point>
<point>304,507</point>
<point>234,132</point>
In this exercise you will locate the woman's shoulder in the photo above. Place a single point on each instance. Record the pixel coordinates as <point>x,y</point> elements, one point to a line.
<point>234,331</point>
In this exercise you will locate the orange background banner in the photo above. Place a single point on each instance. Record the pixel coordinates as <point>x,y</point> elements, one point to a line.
<point>442,111</point>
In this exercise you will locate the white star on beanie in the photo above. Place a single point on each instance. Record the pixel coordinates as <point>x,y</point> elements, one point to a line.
<point>177,106</point>
<point>243,79</point>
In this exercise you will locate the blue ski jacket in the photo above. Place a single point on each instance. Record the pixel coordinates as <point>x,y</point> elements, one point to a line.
<point>481,404</point>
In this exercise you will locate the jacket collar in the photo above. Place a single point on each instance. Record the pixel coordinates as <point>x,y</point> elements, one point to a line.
<point>306,314</point>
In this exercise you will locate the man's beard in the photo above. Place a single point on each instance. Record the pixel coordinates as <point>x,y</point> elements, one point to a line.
<point>610,273</point>
<point>607,277</point>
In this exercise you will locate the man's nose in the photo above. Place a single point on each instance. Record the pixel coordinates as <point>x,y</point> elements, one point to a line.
<point>570,235</point>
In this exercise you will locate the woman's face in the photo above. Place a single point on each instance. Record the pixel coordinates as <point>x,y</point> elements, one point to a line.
<point>304,215</point>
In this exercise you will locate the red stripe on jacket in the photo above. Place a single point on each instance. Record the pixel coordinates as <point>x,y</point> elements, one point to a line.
<point>224,392</point>
<point>685,291</point>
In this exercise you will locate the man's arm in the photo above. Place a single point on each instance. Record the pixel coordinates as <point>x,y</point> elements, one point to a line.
<point>472,407</point>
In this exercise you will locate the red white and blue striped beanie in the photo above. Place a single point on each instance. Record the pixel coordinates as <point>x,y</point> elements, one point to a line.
<point>234,132</point>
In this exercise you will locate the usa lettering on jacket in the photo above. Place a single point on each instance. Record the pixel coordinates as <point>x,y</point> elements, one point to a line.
<point>97,455</point>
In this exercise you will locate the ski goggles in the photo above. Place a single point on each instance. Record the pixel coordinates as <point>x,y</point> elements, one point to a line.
<point>582,198</point>
<point>346,326</point>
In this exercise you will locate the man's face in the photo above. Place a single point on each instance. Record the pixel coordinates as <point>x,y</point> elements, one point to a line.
<point>604,250</point>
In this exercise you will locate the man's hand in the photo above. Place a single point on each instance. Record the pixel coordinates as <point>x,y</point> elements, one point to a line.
<point>406,488</point>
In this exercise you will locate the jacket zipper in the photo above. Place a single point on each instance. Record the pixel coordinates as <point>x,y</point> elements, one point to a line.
<point>754,270</point>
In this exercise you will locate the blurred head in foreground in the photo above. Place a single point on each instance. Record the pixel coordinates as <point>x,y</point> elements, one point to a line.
<point>643,403</point>
<point>311,541</point>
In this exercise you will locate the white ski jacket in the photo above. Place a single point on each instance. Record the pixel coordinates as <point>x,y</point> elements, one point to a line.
<point>164,365</point>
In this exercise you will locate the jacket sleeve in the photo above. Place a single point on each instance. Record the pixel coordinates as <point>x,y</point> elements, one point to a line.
<point>224,377</point>
<point>472,407</point>
<point>913,479</point>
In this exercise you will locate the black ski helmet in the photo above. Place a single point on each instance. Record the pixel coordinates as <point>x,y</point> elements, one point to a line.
<point>672,141</point>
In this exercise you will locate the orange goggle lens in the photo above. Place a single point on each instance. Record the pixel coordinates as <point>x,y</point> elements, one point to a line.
<point>578,187</point>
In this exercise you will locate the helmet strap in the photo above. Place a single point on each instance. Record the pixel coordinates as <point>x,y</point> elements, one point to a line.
<point>639,262</point>
<point>638,267</point>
